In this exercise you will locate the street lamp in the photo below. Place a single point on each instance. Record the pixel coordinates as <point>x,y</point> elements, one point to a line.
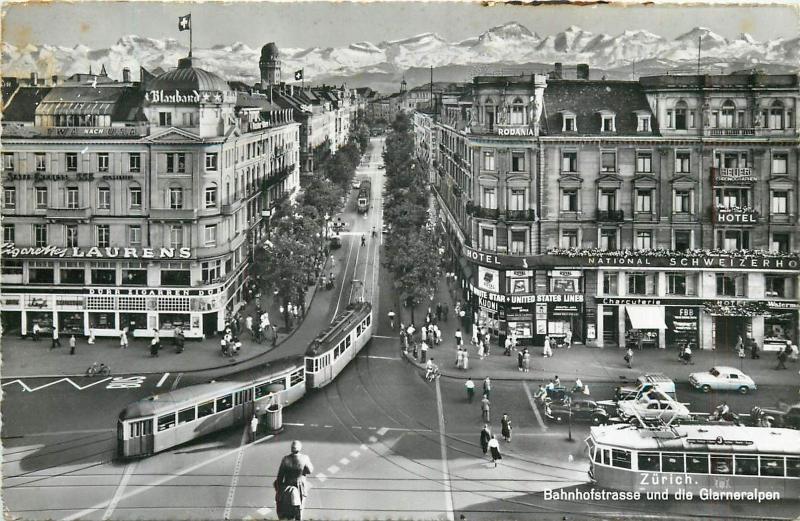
<point>569,416</point>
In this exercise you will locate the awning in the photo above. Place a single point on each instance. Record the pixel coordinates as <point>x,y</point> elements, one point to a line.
<point>646,317</point>
<point>56,108</point>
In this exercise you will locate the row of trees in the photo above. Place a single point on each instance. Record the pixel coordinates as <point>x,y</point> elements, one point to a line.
<point>290,260</point>
<point>412,248</point>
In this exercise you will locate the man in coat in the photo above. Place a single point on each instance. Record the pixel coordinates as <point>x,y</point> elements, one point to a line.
<point>486,435</point>
<point>290,485</point>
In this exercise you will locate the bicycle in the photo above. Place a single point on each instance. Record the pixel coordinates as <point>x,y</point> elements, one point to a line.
<point>98,368</point>
<point>432,374</point>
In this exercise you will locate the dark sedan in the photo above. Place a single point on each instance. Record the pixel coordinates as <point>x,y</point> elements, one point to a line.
<point>585,411</point>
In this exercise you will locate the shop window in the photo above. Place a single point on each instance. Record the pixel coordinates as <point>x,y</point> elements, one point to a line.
<point>644,162</point>
<point>641,283</point>
<point>683,201</point>
<point>569,161</point>
<point>779,286</point>
<point>175,277</point>
<point>41,197</point>
<point>780,202</point>
<point>569,238</point>
<point>517,161</point>
<point>488,160</point>
<point>733,239</point>
<point>102,320</point>
<point>72,273</point>
<point>41,275</point>
<point>9,233</point>
<point>729,285</point>
<point>780,160</point>
<point>780,242</point>
<point>487,239</point>
<point>40,161</point>
<point>134,162</point>
<point>175,198</point>
<point>518,242</point>
<point>8,161</point>
<point>135,196</point>
<point>644,201</point>
<point>9,197</point>
<point>608,239</point>
<point>210,235</point>
<point>563,285</point>
<point>610,282</point>
<point>40,235</point>
<point>103,198</point>
<point>516,200</point>
<point>105,276</point>
<point>103,235</point>
<point>489,198</point>
<point>644,239</point>
<point>172,321</point>
<point>608,161</point>
<point>569,200</point>
<point>72,161</point>
<point>683,162</point>
<point>102,162</point>
<point>73,197</point>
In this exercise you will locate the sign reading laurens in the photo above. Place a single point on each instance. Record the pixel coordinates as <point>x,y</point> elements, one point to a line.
<point>9,249</point>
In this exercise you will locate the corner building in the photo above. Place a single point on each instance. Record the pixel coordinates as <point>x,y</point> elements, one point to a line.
<point>646,213</point>
<point>137,204</point>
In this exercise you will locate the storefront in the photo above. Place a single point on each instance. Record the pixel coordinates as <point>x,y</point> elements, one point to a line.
<point>683,325</point>
<point>780,324</point>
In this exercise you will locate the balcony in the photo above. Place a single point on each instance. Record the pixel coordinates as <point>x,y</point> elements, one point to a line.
<point>276,177</point>
<point>610,215</point>
<point>232,208</point>
<point>171,214</point>
<point>75,214</point>
<point>733,132</point>
<point>520,215</point>
<point>482,213</point>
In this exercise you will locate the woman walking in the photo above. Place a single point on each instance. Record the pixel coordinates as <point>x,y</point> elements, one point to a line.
<point>494,449</point>
<point>505,427</point>
<point>526,360</point>
<point>465,359</point>
<point>459,358</point>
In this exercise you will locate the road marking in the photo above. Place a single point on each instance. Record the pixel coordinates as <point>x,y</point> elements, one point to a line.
<point>333,469</point>
<point>166,479</point>
<point>126,382</point>
<point>237,468</point>
<point>379,357</point>
<point>175,383</point>
<point>314,425</point>
<point>354,454</point>
<point>372,439</point>
<point>533,406</point>
<point>363,447</point>
<point>384,336</point>
<point>382,431</point>
<point>68,380</point>
<point>321,477</point>
<point>356,426</point>
<point>448,494</point>
<point>263,511</point>
<point>294,424</point>
<point>344,461</point>
<point>126,476</point>
<point>163,378</point>
<point>372,428</point>
<point>343,274</point>
<point>61,433</point>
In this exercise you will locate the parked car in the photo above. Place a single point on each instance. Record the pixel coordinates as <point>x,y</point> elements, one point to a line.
<point>336,242</point>
<point>644,383</point>
<point>356,184</point>
<point>647,409</point>
<point>582,411</point>
<point>722,378</point>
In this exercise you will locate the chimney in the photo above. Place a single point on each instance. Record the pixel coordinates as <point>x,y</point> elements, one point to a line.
<point>558,73</point>
<point>34,78</point>
<point>126,75</point>
<point>583,71</point>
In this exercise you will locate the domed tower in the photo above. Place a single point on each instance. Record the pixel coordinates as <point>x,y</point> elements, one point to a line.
<point>403,85</point>
<point>270,65</point>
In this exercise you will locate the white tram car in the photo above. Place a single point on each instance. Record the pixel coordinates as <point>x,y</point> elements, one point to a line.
<point>696,459</point>
<point>165,420</point>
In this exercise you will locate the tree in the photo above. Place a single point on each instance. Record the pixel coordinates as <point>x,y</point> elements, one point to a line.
<point>279,262</point>
<point>321,193</point>
<point>414,261</point>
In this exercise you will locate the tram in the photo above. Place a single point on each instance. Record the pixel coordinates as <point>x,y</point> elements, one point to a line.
<point>333,349</point>
<point>706,461</point>
<point>165,420</point>
<point>364,196</point>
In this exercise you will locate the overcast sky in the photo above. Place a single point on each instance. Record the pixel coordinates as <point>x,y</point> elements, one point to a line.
<point>326,24</point>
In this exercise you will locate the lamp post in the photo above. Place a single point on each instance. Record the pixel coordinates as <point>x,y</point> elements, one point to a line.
<point>569,416</point>
<point>327,219</point>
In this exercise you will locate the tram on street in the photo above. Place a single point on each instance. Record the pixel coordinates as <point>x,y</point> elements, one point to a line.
<point>364,196</point>
<point>333,349</point>
<point>702,460</point>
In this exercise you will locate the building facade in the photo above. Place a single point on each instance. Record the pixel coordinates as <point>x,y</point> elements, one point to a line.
<point>137,205</point>
<point>616,210</point>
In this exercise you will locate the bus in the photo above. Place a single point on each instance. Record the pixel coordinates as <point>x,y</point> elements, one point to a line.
<point>696,460</point>
<point>364,196</point>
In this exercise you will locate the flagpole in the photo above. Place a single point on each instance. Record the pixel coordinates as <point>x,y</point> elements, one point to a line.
<point>303,78</point>
<point>190,35</point>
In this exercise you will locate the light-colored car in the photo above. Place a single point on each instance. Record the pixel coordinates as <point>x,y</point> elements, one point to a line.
<point>722,378</point>
<point>356,184</point>
<point>648,409</point>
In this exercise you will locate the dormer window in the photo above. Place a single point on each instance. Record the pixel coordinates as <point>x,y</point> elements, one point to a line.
<point>643,122</point>
<point>568,123</point>
<point>608,121</point>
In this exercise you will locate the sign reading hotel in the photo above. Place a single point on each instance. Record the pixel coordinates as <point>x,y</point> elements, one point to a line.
<point>179,97</point>
<point>9,249</point>
<point>735,216</point>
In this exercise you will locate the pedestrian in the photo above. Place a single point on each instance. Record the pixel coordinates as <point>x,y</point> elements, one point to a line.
<point>253,428</point>
<point>439,311</point>
<point>508,345</point>
<point>526,360</point>
<point>91,337</point>
<point>486,435</point>
<point>505,427</point>
<point>782,356</point>
<point>290,485</point>
<point>568,339</point>
<point>741,351</point>
<point>459,358</point>
<point>465,360</point>
<point>438,335</point>
<point>487,386</point>
<point>72,346</point>
<point>629,357</point>
<point>56,341</point>
<point>547,351</point>
<point>248,324</point>
<point>274,335</point>
<point>753,348</point>
<point>424,333</point>
<point>423,351</point>
<point>474,335</point>
<point>494,449</point>
<point>485,406</point>
<point>410,331</point>
<point>123,338</point>
<point>445,311</point>
<point>520,355</point>
<point>36,331</point>
<point>154,346</point>
<point>470,387</point>
<point>487,340</point>
<point>481,352</point>
<point>391,319</point>
<point>459,338</point>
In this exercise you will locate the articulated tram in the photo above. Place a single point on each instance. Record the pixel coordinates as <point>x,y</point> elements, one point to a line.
<point>701,460</point>
<point>165,420</point>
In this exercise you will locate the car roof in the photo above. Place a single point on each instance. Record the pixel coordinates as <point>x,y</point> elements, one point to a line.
<point>726,369</point>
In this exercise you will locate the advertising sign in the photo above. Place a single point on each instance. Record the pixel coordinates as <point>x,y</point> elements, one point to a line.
<point>9,249</point>
<point>488,279</point>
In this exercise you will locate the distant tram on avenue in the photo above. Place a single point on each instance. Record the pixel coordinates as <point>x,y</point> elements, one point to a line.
<point>364,196</point>
<point>165,420</point>
<point>700,461</point>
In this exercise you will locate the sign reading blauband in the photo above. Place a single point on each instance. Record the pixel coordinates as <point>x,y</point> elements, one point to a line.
<point>9,249</point>
<point>182,97</point>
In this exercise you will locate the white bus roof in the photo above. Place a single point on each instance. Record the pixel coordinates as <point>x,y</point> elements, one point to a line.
<point>700,438</point>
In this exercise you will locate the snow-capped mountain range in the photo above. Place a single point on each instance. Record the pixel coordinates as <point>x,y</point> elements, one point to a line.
<point>507,45</point>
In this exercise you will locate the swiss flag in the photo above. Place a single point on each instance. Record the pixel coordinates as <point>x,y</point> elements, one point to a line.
<point>185,22</point>
<point>298,75</point>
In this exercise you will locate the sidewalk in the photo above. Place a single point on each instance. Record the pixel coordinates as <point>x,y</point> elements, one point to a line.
<point>26,358</point>
<point>589,364</point>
